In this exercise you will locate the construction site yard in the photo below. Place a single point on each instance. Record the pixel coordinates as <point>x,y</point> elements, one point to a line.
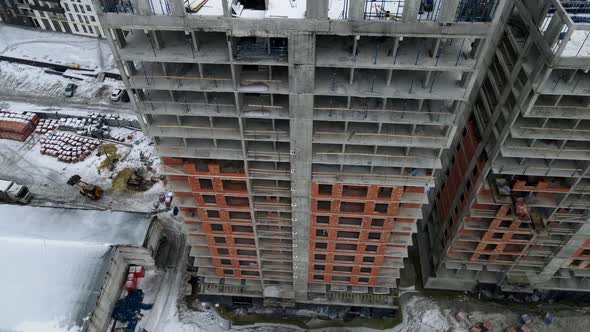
<point>47,177</point>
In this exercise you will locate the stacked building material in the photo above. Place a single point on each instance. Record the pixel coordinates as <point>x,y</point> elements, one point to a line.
<point>85,126</point>
<point>46,125</point>
<point>16,126</point>
<point>68,148</point>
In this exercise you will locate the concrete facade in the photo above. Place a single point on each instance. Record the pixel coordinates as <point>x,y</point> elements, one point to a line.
<point>300,148</point>
<point>511,208</point>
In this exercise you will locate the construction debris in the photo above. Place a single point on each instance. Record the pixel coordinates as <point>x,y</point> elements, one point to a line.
<point>68,148</point>
<point>16,126</point>
<point>112,156</point>
<point>138,179</point>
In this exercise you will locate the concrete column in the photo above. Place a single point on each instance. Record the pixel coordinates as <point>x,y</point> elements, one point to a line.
<point>356,10</point>
<point>177,8</point>
<point>156,36</point>
<point>411,10</point>
<point>142,7</point>
<point>120,38</point>
<point>448,11</point>
<point>226,4</point>
<point>301,70</point>
<point>317,9</point>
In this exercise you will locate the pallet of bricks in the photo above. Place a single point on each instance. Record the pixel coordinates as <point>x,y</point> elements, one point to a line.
<point>67,147</point>
<point>16,126</point>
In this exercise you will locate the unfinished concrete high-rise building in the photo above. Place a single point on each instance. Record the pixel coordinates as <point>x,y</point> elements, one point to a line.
<point>512,209</point>
<point>301,136</point>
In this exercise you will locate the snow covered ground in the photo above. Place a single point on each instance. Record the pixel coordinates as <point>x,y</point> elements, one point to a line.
<point>24,80</point>
<point>46,176</point>
<point>55,47</point>
<point>54,262</point>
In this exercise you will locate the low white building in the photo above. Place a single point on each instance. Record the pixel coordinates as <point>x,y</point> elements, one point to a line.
<point>81,18</point>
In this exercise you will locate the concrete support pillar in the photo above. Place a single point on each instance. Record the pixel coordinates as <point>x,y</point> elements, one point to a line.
<point>157,38</point>
<point>130,68</point>
<point>120,38</point>
<point>317,9</point>
<point>177,8</point>
<point>142,7</point>
<point>226,4</point>
<point>448,11</point>
<point>356,10</point>
<point>411,10</point>
<point>302,77</point>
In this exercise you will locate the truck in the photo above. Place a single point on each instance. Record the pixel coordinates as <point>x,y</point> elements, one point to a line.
<point>11,192</point>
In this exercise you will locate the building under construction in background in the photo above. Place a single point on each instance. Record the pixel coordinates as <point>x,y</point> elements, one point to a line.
<point>304,139</point>
<point>511,207</point>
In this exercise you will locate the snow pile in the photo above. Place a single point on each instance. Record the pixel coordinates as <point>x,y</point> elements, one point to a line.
<point>48,285</point>
<point>423,314</point>
<point>55,47</point>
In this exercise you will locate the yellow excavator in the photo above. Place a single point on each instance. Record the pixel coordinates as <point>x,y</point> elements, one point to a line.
<point>86,189</point>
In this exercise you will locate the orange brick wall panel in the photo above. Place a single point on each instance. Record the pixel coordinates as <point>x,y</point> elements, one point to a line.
<point>177,178</point>
<point>17,127</point>
<point>169,161</point>
<point>21,137</point>
<point>414,189</point>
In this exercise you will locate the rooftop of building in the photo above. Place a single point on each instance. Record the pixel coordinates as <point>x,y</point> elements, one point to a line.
<point>393,10</point>
<point>55,263</point>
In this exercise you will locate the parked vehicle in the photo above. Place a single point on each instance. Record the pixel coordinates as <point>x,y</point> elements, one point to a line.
<point>116,95</point>
<point>120,94</point>
<point>11,192</point>
<point>69,91</point>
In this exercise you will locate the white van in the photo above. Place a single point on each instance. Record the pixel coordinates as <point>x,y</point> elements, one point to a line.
<point>11,192</point>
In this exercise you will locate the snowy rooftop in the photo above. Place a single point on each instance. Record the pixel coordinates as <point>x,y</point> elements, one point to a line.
<point>54,262</point>
<point>59,48</point>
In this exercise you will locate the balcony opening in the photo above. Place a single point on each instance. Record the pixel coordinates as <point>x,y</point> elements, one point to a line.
<point>342,269</point>
<point>322,219</point>
<point>325,189</point>
<point>346,246</point>
<point>205,184</point>
<point>212,214</point>
<point>320,257</point>
<point>348,235</point>
<point>374,236</point>
<point>368,259</point>
<point>357,191</point>
<point>324,205</point>
<point>350,221</point>
<point>343,258</point>
<point>352,207</point>
<point>366,270</point>
<point>341,279</point>
<point>377,222</point>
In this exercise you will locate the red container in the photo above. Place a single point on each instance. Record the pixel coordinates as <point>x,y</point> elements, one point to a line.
<point>130,285</point>
<point>132,277</point>
<point>139,271</point>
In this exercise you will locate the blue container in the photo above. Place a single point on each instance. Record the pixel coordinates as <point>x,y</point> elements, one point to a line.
<point>548,318</point>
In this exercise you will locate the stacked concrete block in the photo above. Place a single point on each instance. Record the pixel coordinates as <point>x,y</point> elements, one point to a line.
<point>46,125</point>
<point>68,148</point>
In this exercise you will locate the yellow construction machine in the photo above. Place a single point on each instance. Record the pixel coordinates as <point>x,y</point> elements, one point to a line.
<point>86,189</point>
